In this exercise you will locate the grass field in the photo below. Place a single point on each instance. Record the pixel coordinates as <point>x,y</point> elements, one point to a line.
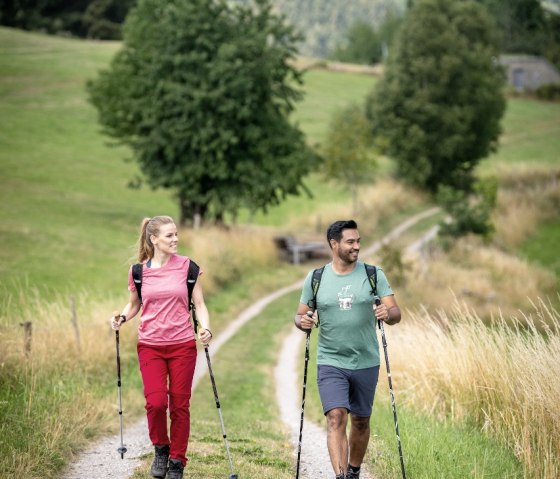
<point>68,224</point>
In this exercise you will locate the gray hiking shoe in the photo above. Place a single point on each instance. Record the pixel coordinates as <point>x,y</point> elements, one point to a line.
<point>159,466</point>
<point>341,476</point>
<point>175,469</point>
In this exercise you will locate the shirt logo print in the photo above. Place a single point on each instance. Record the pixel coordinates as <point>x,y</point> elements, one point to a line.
<point>345,298</point>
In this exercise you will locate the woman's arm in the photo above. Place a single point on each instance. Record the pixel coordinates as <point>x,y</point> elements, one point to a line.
<point>202,315</point>
<point>128,312</point>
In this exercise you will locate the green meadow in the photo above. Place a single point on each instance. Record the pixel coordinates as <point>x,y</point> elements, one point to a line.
<point>68,224</point>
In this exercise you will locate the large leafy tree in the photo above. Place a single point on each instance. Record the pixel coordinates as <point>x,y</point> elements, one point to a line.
<point>438,108</point>
<point>201,91</point>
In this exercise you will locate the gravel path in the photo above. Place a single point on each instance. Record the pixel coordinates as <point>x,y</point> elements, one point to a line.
<point>101,460</point>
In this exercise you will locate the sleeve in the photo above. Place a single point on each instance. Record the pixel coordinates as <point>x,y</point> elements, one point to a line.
<point>383,286</point>
<point>131,285</point>
<point>306,292</point>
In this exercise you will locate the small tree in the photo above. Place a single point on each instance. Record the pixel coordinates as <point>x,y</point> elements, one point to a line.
<point>362,45</point>
<point>201,92</point>
<point>468,213</point>
<point>439,106</point>
<point>347,151</point>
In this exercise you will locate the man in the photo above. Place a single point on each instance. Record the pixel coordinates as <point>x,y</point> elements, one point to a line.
<point>348,351</point>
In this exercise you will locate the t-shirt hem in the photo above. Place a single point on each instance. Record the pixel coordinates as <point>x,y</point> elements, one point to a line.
<point>351,368</point>
<point>166,343</point>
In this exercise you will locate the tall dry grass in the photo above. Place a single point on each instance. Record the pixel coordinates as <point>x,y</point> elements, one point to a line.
<point>377,204</point>
<point>227,254</point>
<point>527,196</point>
<point>490,276</point>
<point>489,279</point>
<point>506,379</point>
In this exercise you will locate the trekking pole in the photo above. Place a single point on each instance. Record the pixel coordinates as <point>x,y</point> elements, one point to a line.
<point>308,333</point>
<point>232,475</point>
<point>121,450</point>
<point>380,323</point>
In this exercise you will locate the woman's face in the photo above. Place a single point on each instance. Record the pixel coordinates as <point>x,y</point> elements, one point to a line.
<point>167,239</point>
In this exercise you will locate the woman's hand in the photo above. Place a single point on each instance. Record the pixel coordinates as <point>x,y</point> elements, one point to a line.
<point>116,320</point>
<point>205,335</point>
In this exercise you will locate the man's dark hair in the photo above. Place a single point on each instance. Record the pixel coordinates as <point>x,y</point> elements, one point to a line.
<point>335,230</point>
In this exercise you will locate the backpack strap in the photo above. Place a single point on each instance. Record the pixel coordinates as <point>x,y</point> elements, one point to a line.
<point>371,272</point>
<point>315,283</point>
<point>137,277</point>
<point>192,276</point>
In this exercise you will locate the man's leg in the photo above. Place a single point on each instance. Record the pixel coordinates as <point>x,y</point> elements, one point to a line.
<point>362,392</point>
<point>359,438</point>
<point>337,442</point>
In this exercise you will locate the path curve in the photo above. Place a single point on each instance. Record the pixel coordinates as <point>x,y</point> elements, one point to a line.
<point>101,459</point>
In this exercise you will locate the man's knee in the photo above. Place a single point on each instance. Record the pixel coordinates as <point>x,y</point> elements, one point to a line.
<point>360,424</point>
<point>337,418</point>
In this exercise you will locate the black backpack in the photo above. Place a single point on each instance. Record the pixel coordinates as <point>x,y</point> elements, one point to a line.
<point>371,272</point>
<point>192,276</point>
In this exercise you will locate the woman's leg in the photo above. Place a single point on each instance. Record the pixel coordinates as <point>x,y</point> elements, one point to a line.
<point>154,369</point>
<point>181,363</point>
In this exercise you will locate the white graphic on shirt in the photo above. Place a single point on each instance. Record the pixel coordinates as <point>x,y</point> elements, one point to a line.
<point>345,298</point>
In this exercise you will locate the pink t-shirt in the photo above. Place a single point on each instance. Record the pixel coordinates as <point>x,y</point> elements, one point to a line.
<point>165,317</point>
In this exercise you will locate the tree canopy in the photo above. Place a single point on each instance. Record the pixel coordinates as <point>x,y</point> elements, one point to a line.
<point>437,111</point>
<point>201,91</point>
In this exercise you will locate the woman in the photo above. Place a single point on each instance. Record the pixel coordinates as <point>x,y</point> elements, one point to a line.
<point>166,341</point>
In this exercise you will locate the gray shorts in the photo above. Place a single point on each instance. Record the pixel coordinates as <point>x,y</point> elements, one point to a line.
<point>351,389</point>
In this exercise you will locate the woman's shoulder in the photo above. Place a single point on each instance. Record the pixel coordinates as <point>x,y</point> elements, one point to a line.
<point>180,260</point>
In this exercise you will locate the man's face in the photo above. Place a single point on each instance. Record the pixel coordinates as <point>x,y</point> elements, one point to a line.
<point>348,247</point>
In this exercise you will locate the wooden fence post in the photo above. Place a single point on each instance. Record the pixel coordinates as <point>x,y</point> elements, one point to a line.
<point>74,320</point>
<point>27,333</point>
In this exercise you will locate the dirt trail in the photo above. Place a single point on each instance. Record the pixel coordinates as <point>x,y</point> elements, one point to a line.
<point>101,460</point>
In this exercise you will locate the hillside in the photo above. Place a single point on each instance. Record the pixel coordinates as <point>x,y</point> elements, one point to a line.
<point>324,23</point>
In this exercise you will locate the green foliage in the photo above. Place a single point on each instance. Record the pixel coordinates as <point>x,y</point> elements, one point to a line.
<point>201,92</point>
<point>366,44</point>
<point>347,150</point>
<point>438,107</point>
<point>468,213</point>
<point>362,45</point>
<point>549,91</point>
<point>84,18</point>
<point>527,27</point>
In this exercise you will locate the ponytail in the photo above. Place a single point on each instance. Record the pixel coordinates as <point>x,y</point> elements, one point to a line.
<point>149,227</point>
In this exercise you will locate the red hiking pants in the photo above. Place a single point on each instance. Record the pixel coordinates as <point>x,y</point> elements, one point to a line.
<point>168,371</point>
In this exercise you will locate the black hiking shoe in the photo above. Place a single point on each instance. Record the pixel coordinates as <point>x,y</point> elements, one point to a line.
<point>159,466</point>
<point>175,469</point>
<point>341,476</point>
<point>353,474</point>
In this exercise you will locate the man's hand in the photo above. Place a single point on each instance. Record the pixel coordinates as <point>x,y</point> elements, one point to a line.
<point>307,321</point>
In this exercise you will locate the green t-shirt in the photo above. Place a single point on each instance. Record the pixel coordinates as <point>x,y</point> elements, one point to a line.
<point>347,336</point>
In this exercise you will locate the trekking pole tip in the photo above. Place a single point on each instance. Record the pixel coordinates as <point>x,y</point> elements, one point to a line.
<point>121,450</point>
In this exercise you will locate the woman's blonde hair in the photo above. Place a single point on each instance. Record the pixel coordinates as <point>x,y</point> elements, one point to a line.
<point>149,227</point>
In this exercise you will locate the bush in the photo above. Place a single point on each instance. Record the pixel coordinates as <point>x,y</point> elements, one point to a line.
<point>549,91</point>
